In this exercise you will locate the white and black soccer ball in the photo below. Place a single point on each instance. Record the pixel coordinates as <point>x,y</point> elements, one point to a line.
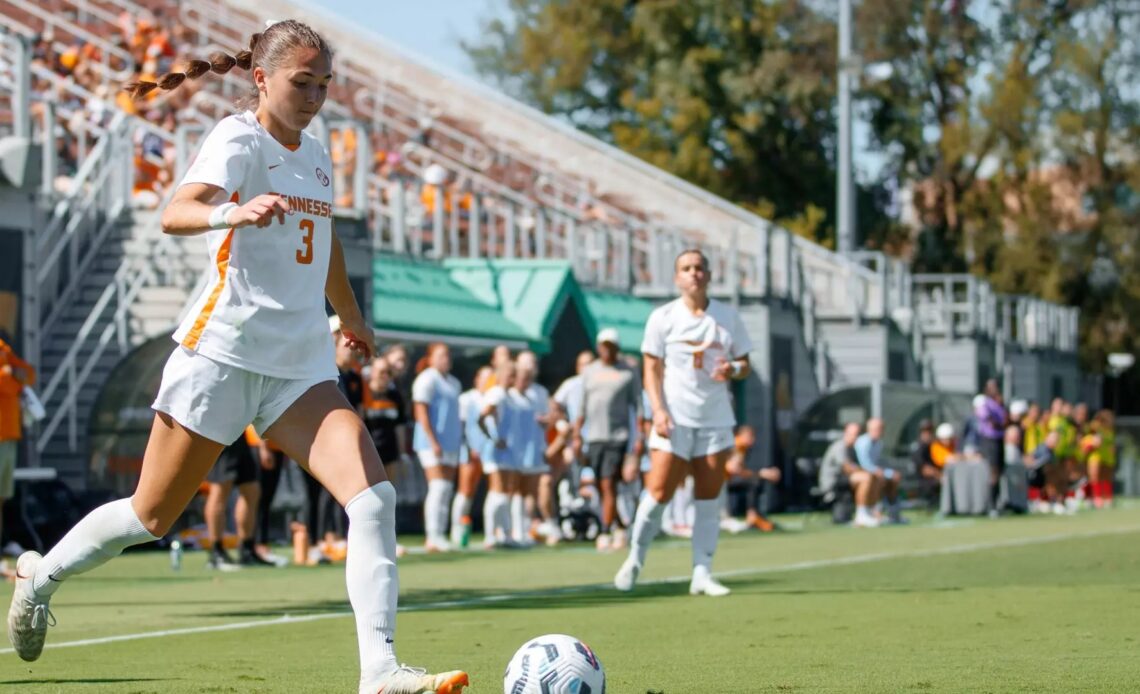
<point>554,664</point>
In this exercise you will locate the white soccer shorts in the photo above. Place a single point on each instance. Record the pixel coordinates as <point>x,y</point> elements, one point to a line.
<point>427,458</point>
<point>691,442</point>
<point>218,401</point>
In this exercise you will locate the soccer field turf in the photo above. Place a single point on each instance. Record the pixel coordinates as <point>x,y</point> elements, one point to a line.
<point>1020,604</point>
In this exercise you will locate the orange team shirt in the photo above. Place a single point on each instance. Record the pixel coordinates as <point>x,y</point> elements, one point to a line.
<point>10,387</point>
<point>940,453</point>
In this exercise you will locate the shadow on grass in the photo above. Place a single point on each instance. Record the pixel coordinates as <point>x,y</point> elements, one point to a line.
<point>474,599</point>
<point>85,680</point>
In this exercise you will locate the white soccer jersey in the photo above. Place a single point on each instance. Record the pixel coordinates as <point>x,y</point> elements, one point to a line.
<point>691,346</point>
<point>263,309</point>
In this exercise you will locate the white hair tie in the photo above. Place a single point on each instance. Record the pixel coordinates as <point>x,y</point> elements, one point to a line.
<point>271,22</point>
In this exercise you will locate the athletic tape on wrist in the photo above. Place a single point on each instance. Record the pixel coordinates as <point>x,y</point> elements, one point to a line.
<point>218,215</point>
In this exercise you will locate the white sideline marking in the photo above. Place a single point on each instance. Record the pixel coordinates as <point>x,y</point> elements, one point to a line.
<point>589,588</point>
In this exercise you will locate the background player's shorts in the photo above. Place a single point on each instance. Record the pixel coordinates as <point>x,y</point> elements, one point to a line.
<point>497,460</point>
<point>689,442</point>
<point>218,400</point>
<point>236,464</point>
<point>607,458</point>
<point>428,458</point>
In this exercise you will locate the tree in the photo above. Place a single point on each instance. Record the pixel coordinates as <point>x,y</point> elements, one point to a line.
<point>734,96</point>
<point>1013,121</point>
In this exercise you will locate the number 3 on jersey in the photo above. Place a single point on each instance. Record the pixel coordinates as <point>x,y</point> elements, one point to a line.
<point>305,255</point>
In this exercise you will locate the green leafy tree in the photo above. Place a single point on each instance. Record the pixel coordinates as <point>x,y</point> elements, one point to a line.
<point>735,96</point>
<point>1014,123</point>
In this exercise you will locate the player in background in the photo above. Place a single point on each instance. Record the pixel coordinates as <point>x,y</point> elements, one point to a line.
<point>693,346</point>
<point>436,438</point>
<point>496,422</point>
<point>235,467</point>
<point>535,482</point>
<point>255,348</point>
<point>470,464</point>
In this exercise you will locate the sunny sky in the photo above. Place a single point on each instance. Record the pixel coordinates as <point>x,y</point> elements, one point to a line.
<point>433,30</point>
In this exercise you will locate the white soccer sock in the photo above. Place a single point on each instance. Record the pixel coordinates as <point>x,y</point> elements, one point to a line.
<point>493,516</point>
<point>706,531</point>
<point>646,525</point>
<point>460,507</point>
<point>370,572</point>
<point>433,504</point>
<point>101,536</point>
<point>519,524</point>
<point>445,506</point>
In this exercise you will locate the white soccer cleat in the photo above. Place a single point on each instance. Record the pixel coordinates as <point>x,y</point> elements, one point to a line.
<point>437,545</point>
<point>704,584</point>
<point>29,616</point>
<point>627,575</point>
<point>409,680</point>
<point>865,520</point>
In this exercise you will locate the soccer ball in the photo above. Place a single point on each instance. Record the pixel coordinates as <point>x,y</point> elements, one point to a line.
<point>554,664</point>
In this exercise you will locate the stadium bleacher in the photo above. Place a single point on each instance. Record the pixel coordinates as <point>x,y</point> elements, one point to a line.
<point>516,185</point>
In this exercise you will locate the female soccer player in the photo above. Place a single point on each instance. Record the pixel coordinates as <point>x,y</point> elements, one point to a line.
<point>497,423</point>
<point>692,346</point>
<point>470,464</point>
<point>531,404</point>
<point>436,438</point>
<point>255,348</point>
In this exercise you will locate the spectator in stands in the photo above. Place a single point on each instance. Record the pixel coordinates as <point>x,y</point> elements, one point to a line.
<point>15,374</point>
<point>754,491</point>
<point>869,455</point>
<point>611,394</point>
<point>991,422</point>
<point>342,150</point>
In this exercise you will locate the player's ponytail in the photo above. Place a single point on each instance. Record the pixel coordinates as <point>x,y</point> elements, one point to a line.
<point>267,50</point>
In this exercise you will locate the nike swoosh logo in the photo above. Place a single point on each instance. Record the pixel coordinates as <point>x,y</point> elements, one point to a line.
<point>274,167</point>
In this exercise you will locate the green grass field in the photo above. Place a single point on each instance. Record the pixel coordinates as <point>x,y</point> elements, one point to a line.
<point>1021,605</point>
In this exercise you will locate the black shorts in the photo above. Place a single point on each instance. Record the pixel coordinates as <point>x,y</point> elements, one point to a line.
<point>606,458</point>
<point>235,465</point>
<point>1037,478</point>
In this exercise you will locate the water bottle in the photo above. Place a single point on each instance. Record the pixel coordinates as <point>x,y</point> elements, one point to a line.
<point>176,555</point>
